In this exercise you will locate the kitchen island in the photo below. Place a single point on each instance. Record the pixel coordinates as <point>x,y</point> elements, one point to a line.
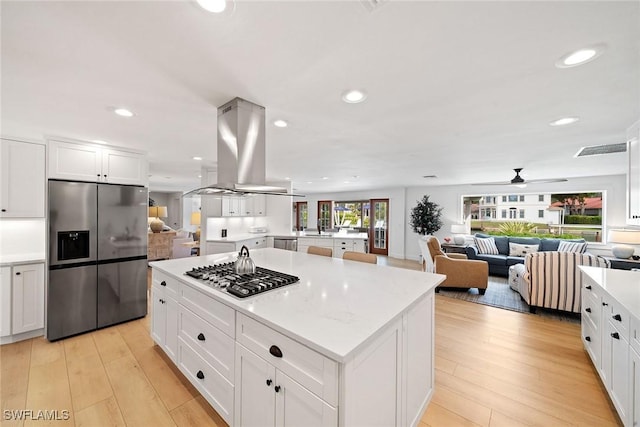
<point>349,344</point>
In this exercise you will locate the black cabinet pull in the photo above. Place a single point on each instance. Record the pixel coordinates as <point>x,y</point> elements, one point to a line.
<point>201,336</point>
<point>163,283</point>
<point>4,210</point>
<point>277,388</point>
<point>588,287</point>
<point>617,317</point>
<point>588,310</point>
<point>587,338</point>
<point>98,175</point>
<point>17,273</point>
<point>269,382</point>
<point>275,351</point>
<point>604,304</point>
<point>200,375</point>
<point>615,335</point>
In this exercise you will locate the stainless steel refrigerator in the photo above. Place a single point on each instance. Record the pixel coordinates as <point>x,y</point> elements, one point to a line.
<point>97,256</point>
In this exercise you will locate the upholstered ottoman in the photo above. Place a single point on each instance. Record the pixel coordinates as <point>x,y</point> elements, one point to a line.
<point>516,277</point>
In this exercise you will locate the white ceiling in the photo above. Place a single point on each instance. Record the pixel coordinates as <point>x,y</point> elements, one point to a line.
<point>461,90</point>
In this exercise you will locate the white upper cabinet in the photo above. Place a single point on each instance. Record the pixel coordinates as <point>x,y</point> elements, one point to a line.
<point>633,174</point>
<point>22,179</point>
<point>95,163</point>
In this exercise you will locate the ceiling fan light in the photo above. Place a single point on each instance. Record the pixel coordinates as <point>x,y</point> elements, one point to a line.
<point>214,6</point>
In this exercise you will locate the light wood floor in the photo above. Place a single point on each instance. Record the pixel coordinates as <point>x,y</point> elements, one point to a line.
<point>493,368</point>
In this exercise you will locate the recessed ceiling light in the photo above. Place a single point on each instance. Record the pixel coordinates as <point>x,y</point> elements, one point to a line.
<point>287,178</point>
<point>325,177</point>
<point>197,158</point>
<point>123,112</point>
<point>280,123</point>
<point>199,176</point>
<point>215,6</point>
<point>581,56</point>
<point>353,96</point>
<point>564,121</point>
<point>99,141</point>
<point>347,182</point>
<point>309,182</point>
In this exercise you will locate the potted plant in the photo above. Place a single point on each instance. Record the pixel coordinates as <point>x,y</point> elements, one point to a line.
<point>425,217</point>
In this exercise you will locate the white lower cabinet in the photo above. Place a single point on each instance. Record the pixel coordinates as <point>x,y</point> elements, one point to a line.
<point>609,336</point>
<point>223,247</point>
<point>164,317</point>
<point>338,245</point>
<point>5,301</point>
<point>28,298</point>
<point>266,396</point>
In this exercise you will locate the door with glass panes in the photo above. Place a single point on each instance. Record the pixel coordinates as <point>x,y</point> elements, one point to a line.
<point>379,226</point>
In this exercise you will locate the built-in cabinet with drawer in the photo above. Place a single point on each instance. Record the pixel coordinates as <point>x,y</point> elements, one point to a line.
<point>633,174</point>
<point>222,247</point>
<point>22,179</point>
<point>253,374</point>
<point>79,161</point>
<point>229,206</point>
<point>22,301</point>
<point>160,245</point>
<point>611,336</point>
<point>339,245</point>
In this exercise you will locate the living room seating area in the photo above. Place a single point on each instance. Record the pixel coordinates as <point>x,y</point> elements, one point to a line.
<point>501,252</point>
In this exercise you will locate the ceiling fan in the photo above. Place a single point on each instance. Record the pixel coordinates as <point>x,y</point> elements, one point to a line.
<point>519,181</point>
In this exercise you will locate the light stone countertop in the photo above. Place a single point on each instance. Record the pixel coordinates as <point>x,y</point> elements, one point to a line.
<point>294,234</point>
<point>623,285</point>
<point>337,306</point>
<point>26,258</point>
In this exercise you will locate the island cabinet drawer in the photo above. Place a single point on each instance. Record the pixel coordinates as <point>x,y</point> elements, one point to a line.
<point>166,282</point>
<point>212,344</point>
<point>214,312</point>
<point>618,316</point>
<point>591,340</point>
<point>312,370</point>
<point>592,308</point>
<point>215,388</point>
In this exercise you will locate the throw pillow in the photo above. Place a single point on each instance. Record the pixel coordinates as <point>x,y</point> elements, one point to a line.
<point>486,246</point>
<point>572,247</point>
<point>517,249</point>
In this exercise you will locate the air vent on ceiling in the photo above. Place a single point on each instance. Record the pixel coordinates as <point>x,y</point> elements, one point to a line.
<point>602,149</point>
<point>372,5</point>
<point>429,176</point>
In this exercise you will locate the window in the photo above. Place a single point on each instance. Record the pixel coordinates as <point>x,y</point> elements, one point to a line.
<point>512,213</point>
<point>324,214</point>
<point>522,197</point>
<point>504,213</point>
<point>521,213</point>
<point>512,198</point>
<point>540,213</point>
<point>541,197</point>
<point>504,198</point>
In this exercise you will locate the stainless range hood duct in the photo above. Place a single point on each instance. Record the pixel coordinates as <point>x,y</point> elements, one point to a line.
<point>241,152</point>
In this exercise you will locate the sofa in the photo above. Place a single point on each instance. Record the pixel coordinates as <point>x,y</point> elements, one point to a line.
<point>506,256</point>
<point>552,279</point>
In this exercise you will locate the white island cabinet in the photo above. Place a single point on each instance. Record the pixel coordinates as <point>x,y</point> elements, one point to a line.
<point>349,344</point>
<point>611,335</point>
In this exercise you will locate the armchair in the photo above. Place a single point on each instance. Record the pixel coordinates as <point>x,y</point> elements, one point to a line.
<point>553,280</point>
<point>460,271</point>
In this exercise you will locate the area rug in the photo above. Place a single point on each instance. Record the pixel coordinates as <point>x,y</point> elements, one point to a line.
<point>500,295</point>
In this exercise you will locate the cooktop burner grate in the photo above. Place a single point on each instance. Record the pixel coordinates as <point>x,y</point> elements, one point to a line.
<point>224,278</point>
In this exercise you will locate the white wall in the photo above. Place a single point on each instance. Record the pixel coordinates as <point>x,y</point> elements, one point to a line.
<point>23,236</point>
<point>397,206</point>
<point>450,199</point>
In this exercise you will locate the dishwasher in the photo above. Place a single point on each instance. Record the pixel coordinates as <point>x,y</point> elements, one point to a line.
<point>288,243</point>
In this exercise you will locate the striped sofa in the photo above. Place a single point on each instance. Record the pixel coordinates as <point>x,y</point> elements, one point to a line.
<point>553,279</point>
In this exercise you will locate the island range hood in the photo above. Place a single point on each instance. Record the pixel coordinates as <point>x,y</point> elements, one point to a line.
<point>241,152</point>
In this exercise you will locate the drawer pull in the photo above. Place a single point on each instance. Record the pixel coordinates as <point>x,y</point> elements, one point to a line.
<point>615,335</point>
<point>277,388</point>
<point>604,304</point>
<point>269,382</point>
<point>201,336</point>
<point>588,287</point>
<point>163,283</point>
<point>587,339</point>
<point>200,375</point>
<point>618,317</point>
<point>275,351</point>
<point>588,310</point>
